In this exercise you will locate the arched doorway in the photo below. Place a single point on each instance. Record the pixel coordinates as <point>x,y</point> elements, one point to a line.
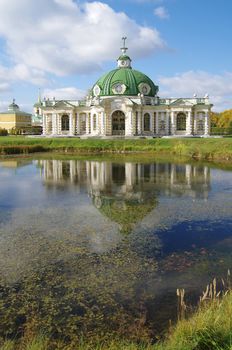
<point>65,122</point>
<point>118,123</point>
<point>146,122</point>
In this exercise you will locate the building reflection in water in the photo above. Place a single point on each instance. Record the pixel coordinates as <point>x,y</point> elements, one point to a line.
<point>127,192</point>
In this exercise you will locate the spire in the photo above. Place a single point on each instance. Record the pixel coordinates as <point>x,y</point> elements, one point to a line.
<point>124,48</point>
<point>39,96</point>
<point>124,61</point>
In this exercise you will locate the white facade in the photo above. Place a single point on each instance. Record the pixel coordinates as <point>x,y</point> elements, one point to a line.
<point>124,102</point>
<point>126,116</point>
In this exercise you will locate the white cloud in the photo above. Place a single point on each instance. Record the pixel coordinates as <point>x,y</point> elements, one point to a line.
<point>4,105</point>
<point>161,12</point>
<point>61,37</point>
<point>4,87</point>
<point>68,93</point>
<point>219,87</point>
<point>151,1</point>
<point>20,72</point>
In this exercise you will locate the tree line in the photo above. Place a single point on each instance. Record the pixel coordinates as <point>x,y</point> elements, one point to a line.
<point>221,122</point>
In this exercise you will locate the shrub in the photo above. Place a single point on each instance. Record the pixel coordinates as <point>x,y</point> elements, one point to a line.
<point>3,132</point>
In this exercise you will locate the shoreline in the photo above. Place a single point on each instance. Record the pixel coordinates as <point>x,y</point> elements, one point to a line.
<point>198,149</point>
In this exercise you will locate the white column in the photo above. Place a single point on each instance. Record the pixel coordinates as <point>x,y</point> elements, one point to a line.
<point>188,169</point>
<point>78,129</point>
<point>128,172</point>
<point>71,131</point>
<point>195,123</point>
<point>98,126</point>
<point>173,124</point>
<point>44,124</point>
<point>206,175</point>
<point>128,126</point>
<point>172,175</point>
<point>57,126</point>
<point>139,121</point>
<point>167,124</point>
<point>152,122</point>
<point>157,123</point>
<point>133,123</point>
<point>91,124</point>
<point>54,124</point>
<point>207,127</point>
<point>72,170</point>
<point>102,121</point>
<point>189,123</point>
<point>87,123</point>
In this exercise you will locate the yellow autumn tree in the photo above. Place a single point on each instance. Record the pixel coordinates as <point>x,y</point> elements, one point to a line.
<point>222,120</point>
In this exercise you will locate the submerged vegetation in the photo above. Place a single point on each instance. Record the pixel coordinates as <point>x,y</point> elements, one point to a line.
<point>209,328</point>
<point>204,149</point>
<point>65,284</point>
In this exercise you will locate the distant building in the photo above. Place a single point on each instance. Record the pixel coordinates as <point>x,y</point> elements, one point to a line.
<point>125,102</point>
<point>14,118</point>
<point>37,118</point>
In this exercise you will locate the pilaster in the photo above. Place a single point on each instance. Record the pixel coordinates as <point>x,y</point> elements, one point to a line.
<point>139,121</point>
<point>152,122</point>
<point>44,124</point>
<point>173,123</point>
<point>71,131</point>
<point>207,126</point>
<point>189,123</point>
<point>128,123</point>
<point>195,123</point>
<point>102,123</point>
<point>78,127</point>
<point>54,124</point>
<point>157,123</point>
<point>167,123</point>
<point>87,123</point>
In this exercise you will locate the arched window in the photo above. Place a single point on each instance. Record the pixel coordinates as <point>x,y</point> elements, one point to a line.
<point>200,125</point>
<point>65,122</point>
<point>181,122</point>
<point>118,123</point>
<point>146,122</point>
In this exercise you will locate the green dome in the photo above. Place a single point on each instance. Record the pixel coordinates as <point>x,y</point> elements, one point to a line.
<point>13,106</point>
<point>124,81</point>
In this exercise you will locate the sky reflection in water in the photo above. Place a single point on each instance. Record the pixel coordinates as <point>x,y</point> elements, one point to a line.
<point>169,226</point>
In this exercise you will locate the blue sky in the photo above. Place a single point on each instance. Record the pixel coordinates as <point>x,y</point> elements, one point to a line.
<point>64,46</point>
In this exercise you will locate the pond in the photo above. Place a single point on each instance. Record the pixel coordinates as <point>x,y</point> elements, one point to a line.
<point>97,248</point>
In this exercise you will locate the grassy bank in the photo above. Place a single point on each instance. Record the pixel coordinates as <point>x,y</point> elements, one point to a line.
<point>204,149</point>
<point>210,328</point>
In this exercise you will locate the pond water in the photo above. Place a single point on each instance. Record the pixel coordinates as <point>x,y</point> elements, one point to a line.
<point>99,247</point>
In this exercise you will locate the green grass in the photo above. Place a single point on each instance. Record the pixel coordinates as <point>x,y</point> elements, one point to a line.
<point>209,328</point>
<point>204,149</point>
